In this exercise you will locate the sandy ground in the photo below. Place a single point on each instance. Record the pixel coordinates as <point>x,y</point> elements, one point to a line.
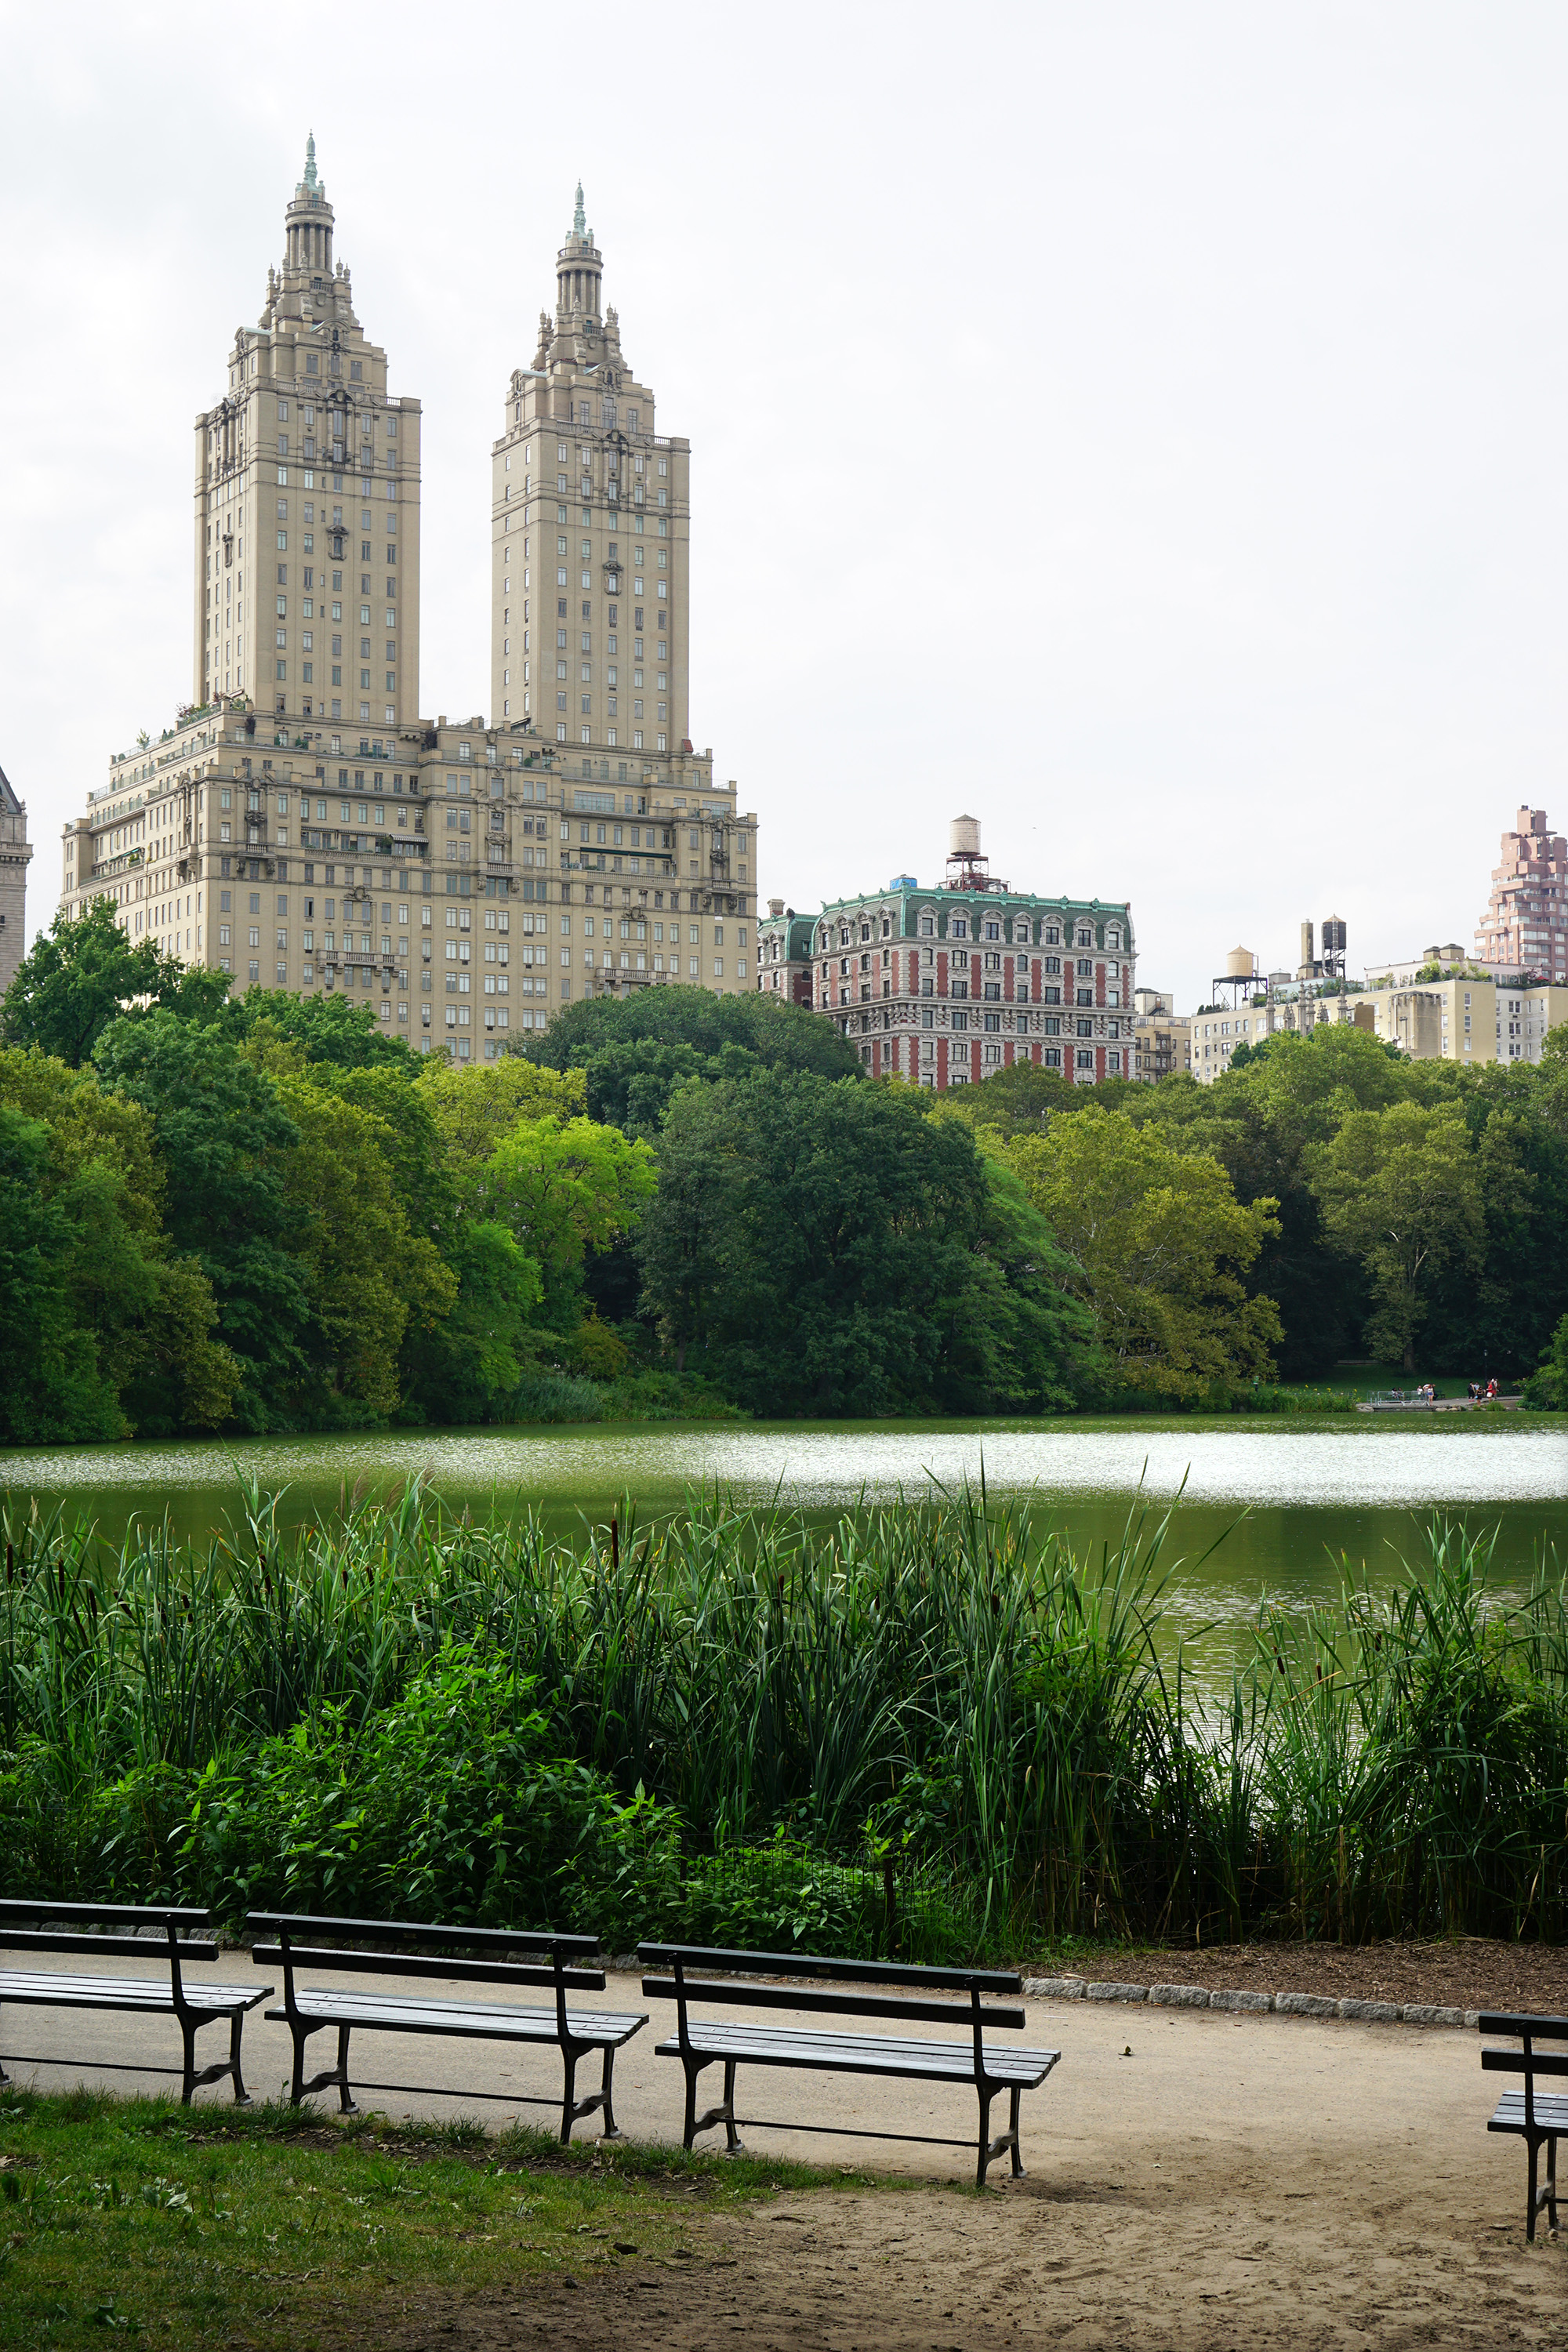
<point>1195,2180</point>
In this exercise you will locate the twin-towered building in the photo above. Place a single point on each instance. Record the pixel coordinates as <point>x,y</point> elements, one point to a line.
<point>300,825</point>
<point>946,985</point>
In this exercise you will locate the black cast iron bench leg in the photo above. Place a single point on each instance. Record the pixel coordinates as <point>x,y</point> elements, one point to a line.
<point>725,2113</point>
<point>338,2076</point>
<point>610,2131</point>
<point>1542,2196</point>
<point>991,2148</point>
<point>235,2027</point>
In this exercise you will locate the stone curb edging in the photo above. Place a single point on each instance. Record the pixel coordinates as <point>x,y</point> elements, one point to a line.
<point>1278,2004</point>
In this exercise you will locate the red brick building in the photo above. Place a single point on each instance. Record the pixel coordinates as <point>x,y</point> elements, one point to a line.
<point>945,985</point>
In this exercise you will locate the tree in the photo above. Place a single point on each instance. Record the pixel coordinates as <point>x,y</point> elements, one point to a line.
<point>468,1365</point>
<point>224,1140</point>
<point>143,1320</point>
<point>823,1246</point>
<point>1399,1190</point>
<point>636,1050</point>
<point>562,1188</point>
<point>1161,1244</point>
<point>327,1029</point>
<point>364,1272</point>
<point>473,1108</point>
<point>51,1386</point>
<point>1548,1384</point>
<point>78,979</point>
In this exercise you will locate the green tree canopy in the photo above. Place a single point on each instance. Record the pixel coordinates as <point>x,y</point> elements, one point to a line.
<point>1162,1244</point>
<point>78,978</point>
<point>636,1050</point>
<point>224,1140</point>
<point>823,1246</point>
<point>121,1338</point>
<point>1401,1192</point>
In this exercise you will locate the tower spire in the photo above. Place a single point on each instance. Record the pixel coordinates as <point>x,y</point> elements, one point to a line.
<point>579,222</point>
<point>310,161</point>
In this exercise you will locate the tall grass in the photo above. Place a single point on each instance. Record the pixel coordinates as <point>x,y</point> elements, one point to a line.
<point>944,1696</point>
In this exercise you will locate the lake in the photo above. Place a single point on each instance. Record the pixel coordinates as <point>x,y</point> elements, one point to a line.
<point>1270,1506</point>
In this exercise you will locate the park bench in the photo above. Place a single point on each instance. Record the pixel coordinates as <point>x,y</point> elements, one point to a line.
<point>57,1928</point>
<point>991,2066</point>
<point>309,2009</point>
<point>1535,2116</point>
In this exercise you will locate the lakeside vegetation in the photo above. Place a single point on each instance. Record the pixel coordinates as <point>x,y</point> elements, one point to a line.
<point>265,1214</point>
<point>938,1731</point>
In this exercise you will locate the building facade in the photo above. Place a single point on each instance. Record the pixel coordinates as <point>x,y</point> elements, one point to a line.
<point>1162,1037</point>
<point>947,985</point>
<point>306,504</point>
<point>1525,927</point>
<point>1469,1019</point>
<point>301,827</point>
<point>14,853</point>
<point>786,953</point>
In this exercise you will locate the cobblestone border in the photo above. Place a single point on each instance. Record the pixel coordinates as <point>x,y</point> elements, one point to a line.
<point>1276,2004</point>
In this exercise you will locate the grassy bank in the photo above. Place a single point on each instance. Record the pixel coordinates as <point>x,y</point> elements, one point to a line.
<point>940,1733</point>
<point>127,2215</point>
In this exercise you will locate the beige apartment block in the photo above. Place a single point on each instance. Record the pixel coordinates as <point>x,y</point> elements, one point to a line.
<point>16,851</point>
<point>301,827</point>
<point>591,523</point>
<point>1162,1037</point>
<point>306,504</point>
<point>1464,1019</point>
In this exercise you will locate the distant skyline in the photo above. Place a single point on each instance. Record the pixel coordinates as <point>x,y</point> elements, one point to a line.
<point>1139,428</point>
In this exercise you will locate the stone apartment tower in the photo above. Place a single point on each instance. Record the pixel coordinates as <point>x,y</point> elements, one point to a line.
<point>307,505</point>
<point>14,853</point>
<point>590,538</point>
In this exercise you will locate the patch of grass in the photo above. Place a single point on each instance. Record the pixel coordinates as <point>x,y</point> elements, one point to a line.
<point>138,2217</point>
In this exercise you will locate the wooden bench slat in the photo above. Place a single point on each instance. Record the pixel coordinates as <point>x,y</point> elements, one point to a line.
<point>142,1947</point>
<point>416,1964</point>
<point>473,2021</point>
<point>68,1992</point>
<point>829,2004</point>
<point>1544,2029</point>
<point>820,1965</point>
<point>516,1940</point>
<point>120,1915</point>
<point>1514,2062</point>
<point>874,2054</point>
<point>1551,2112</point>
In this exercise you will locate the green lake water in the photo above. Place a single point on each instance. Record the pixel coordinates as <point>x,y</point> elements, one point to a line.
<point>1258,1507</point>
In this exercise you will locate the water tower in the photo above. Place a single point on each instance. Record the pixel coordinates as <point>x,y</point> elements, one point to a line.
<point>967,869</point>
<point>1334,938</point>
<point>1238,981</point>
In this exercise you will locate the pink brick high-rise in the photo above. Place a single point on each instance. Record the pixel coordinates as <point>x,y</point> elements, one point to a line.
<point>1525,927</point>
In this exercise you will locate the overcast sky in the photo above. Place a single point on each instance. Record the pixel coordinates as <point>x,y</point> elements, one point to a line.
<point>1139,426</point>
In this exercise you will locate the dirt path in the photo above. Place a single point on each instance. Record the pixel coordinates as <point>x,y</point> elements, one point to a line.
<point>1202,2182</point>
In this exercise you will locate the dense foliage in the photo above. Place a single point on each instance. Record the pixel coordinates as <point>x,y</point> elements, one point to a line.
<point>264,1214</point>
<point>753,1727</point>
<point>1413,1212</point>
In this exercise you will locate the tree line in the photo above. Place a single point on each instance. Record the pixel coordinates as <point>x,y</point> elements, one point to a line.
<point>259,1214</point>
